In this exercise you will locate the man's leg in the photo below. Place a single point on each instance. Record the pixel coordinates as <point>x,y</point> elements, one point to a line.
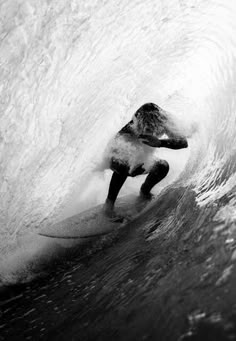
<point>120,174</point>
<point>156,174</point>
<point>117,181</point>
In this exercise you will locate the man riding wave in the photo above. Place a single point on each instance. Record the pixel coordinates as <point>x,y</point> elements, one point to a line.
<point>149,126</point>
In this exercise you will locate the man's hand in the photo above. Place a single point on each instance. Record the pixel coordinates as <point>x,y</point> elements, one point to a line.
<point>150,140</point>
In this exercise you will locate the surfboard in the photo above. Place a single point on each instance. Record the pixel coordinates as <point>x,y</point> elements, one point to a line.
<point>93,222</point>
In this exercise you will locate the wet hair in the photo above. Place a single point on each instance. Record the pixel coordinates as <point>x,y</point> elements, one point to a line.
<point>150,115</point>
<point>151,110</point>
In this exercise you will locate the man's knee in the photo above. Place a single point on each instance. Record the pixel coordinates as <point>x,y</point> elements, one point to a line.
<point>161,167</point>
<point>119,167</point>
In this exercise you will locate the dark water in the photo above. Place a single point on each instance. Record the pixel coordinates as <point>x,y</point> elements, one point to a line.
<point>158,279</point>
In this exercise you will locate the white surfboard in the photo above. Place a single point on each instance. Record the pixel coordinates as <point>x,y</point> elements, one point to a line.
<point>93,222</point>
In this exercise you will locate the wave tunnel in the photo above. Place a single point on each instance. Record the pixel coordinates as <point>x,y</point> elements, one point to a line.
<point>72,74</point>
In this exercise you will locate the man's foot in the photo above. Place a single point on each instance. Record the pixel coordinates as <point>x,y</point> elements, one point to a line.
<point>143,200</point>
<point>108,210</point>
<point>145,196</point>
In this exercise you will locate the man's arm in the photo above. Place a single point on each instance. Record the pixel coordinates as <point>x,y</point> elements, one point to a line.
<point>172,143</point>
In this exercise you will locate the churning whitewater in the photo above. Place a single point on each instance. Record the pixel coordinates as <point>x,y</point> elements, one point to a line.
<point>72,74</point>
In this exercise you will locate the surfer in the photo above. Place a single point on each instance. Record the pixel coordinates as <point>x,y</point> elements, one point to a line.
<point>149,128</point>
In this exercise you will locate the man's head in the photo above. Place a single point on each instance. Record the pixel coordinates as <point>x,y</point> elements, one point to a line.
<point>149,119</point>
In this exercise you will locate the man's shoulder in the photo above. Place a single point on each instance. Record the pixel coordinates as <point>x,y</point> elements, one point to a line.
<point>127,130</point>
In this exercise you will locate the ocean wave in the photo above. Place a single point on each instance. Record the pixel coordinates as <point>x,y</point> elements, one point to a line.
<point>73,75</point>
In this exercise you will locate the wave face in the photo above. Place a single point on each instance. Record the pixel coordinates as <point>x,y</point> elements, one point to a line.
<point>73,74</point>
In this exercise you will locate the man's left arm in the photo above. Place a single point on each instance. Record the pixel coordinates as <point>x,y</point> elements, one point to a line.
<point>174,142</point>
